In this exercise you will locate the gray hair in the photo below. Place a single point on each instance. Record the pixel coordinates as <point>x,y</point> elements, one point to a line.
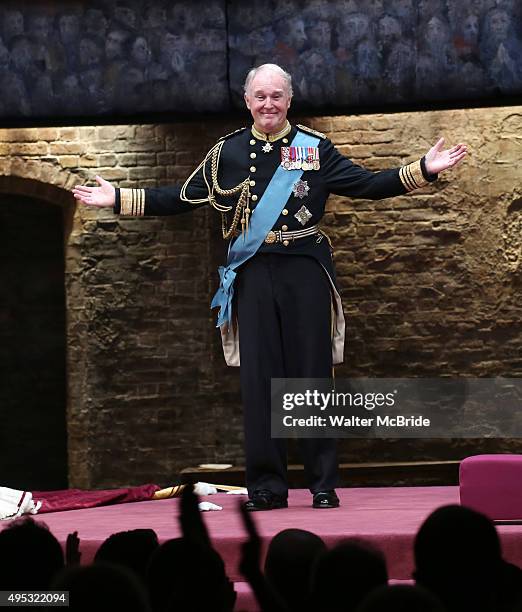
<point>273,68</point>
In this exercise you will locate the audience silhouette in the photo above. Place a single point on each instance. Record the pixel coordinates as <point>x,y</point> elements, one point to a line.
<point>131,549</point>
<point>346,574</point>
<point>458,558</point>
<point>458,568</point>
<point>289,563</point>
<point>30,556</point>
<point>102,587</point>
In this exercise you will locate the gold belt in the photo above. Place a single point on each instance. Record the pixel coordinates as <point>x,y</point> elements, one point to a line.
<point>280,236</point>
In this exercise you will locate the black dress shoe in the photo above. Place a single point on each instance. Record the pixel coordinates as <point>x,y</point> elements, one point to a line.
<point>326,499</point>
<point>265,500</point>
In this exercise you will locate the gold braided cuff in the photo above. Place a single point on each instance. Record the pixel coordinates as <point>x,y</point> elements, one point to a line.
<point>412,177</point>
<point>132,202</point>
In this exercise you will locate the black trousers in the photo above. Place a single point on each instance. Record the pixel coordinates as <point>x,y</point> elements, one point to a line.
<point>284,313</point>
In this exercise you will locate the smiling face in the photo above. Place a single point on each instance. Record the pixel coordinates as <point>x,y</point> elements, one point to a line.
<point>268,99</point>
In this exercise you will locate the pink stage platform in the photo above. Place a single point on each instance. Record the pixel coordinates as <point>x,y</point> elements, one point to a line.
<point>388,517</point>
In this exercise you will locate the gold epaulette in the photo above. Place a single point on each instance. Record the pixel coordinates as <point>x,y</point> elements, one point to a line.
<point>304,128</point>
<point>412,176</point>
<point>132,202</point>
<point>232,133</point>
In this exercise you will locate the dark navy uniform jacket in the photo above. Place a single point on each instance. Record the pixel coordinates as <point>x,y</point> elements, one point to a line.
<point>242,157</point>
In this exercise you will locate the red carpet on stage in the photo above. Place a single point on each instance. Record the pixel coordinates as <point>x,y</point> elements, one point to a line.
<point>388,517</point>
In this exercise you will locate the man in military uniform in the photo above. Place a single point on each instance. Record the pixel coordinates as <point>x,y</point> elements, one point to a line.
<point>270,183</point>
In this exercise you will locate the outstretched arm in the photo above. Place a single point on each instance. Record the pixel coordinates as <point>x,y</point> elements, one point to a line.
<point>124,201</point>
<point>345,178</point>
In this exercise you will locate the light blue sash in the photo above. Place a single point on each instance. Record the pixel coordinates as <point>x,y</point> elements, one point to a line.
<point>262,221</point>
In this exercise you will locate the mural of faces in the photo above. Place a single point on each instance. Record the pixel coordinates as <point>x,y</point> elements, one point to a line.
<point>97,56</point>
<point>402,50</point>
<point>90,57</point>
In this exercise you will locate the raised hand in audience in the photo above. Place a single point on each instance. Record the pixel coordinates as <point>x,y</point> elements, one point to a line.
<point>73,556</point>
<point>192,525</point>
<point>250,566</point>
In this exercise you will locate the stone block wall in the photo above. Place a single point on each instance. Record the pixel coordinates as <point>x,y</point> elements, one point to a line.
<point>430,284</point>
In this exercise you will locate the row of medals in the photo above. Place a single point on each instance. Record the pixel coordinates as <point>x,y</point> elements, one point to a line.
<point>300,158</point>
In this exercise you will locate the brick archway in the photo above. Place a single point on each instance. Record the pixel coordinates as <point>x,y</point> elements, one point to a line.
<point>54,194</point>
<point>33,336</point>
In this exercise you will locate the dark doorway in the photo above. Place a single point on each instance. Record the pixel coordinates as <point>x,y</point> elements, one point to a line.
<point>33,443</point>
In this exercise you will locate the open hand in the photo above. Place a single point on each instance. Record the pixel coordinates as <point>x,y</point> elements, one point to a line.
<point>101,196</point>
<point>438,160</point>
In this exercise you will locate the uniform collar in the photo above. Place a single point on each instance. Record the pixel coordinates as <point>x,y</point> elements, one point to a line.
<point>272,137</point>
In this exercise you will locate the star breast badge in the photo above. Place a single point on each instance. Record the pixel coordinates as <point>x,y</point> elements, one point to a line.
<point>267,147</point>
<point>303,215</point>
<point>300,189</point>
